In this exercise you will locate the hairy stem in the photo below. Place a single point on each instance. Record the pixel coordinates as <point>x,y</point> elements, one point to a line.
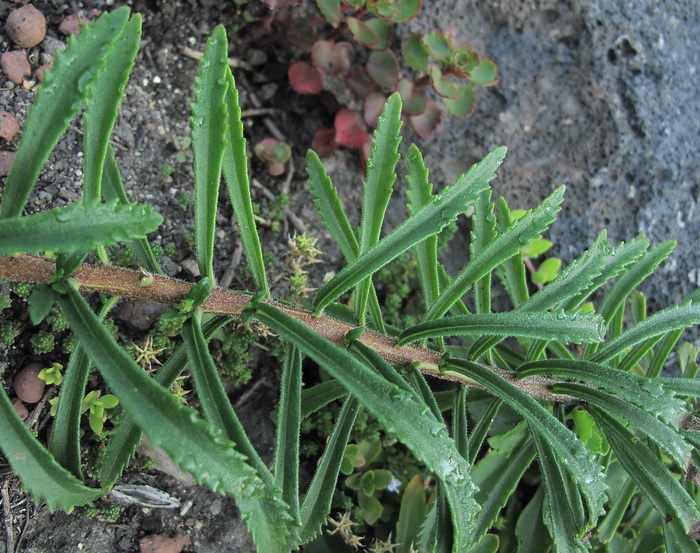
<point>138,284</point>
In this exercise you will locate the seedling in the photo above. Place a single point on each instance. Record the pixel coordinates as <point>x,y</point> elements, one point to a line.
<point>274,153</point>
<point>98,406</point>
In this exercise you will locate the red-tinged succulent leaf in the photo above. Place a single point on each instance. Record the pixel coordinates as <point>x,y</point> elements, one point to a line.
<point>438,45</point>
<point>275,169</point>
<point>281,4</point>
<point>301,33</point>
<point>382,8</point>
<point>323,142</point>
<point>272,150</point>
<point>305,78</point>
<point>484,74</point>
<point>463,60</point>
<point>463,106</point>
<point>383,31</point>
<point>425,124</point>
<point>332,58</point>
<point>374,103</point>
<point>415,53</point>
<point>383,68</point>
<point>361,32</point>
<point>350,128</point>
<point>441,85</point>
<point>412,101</point>
<point>330,10</point>
<point>406,10</point>
<point>359,83</point>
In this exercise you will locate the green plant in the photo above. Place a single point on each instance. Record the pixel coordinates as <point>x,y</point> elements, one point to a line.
<point>274,154</point>
<point>523,395</point>
<point>97,405</point>
<point>450,69</point>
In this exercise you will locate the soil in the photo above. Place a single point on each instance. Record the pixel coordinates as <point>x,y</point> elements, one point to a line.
<point>596,94</point>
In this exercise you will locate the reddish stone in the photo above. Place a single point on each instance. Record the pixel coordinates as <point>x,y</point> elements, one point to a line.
<point>15,65</point>
<point>8,125</point>
<point>26,26</point>
<point>71,24</point>
<point>40,72</point>
<point>20,409</point>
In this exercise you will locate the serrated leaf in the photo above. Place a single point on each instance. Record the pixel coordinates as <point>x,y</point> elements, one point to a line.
<point>77,227</point>
<point>195,445</point>
<point>101,103</point>
<point>38,471</point>
<point>650,474</point>
<point>235,167</point>
<point>57,101</point>
<point>429,220</point>
<point>585,473</point>
<point>209,127</point>
<point>499,250</point>
<point>567,328</point>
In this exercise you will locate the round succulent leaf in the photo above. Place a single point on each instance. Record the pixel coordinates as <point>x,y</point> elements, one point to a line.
<point>438,45</point>
<point>367,482</point>
<point>382,478</point>
<point>374,103</point>
<point>350,128</point>
<point>275,169</point>
<point>353,481</point>
<point>359,83</point>
<point>371,507</point>
<point>382,29</point>
<point>282,152</point>
<point>305,78</point>
<point>441,84</point>
<point>462,106</point>
<point>323,142</point>
<point>281,4</point>
<point>265,149</point>
<point>109,401</point>
<point>383,8</point>
<point>412,101</point>
<point>425,124</point>
<point>415,53</point>
<point>463,60</point>
<point>408,9</point>
<point>361,32</point>
<point>547,271</point>
<point>383,68</point>
<point>330,10</point>
<point>484,74</point>
<point>332,58</point>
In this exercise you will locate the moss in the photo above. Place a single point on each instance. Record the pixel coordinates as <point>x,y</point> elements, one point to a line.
<point>43,342</point>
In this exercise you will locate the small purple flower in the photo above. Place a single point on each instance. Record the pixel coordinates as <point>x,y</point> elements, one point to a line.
<point>394,485</point>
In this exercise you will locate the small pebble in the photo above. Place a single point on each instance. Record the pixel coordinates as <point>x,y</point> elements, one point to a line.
<point>8,125</point>
<point>15,65</point>
<point>71,24</point>
<point>159,543</point>
<point>6,161</point>
<point>40,72</point>
<point>27,384</point>
<point>20,408</point>
<point>26,26</point>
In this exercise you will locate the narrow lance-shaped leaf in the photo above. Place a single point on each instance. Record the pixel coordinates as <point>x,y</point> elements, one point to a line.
<point>318,497</point>
<point>429,220</point>
<point>419,194</point>
<point>650,474</point>
<point>512,271</point>
<point>671,318</point>
<point>77,227</point>
<point>195,445</point>
<point>568,328</point>
<point>209,124</point>
<point>381,174</point>
<point>482,234</point>
<point>288,430</point>
<point>651,395</point>
<point>126,435</point>
<point>37,469</point>
<point>565,521</point>
<point>235,167</point>
<point>57,101</point>
<point>523,231</point>
<point>583,470</point>
<point>103,98</point>
<point>665,436</point>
